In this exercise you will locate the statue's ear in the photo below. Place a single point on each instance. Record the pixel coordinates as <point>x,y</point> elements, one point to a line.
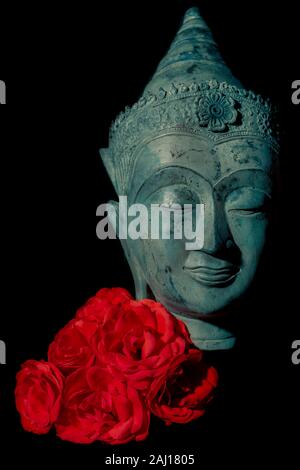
<point>129,247</point>
<point>108,162</point>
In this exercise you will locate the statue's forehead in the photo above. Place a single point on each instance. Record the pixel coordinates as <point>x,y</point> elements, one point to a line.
<point>210,160</point>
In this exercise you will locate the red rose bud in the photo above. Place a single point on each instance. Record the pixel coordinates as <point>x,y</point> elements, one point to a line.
<point>96,406</point>
<point>38,395</point>
<point>140,340</point>
<point>187,387</point>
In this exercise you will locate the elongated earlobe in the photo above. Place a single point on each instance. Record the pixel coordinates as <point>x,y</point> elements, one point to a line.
<point>108,162</point>
<point>141,290</point>
<point>140,284</point>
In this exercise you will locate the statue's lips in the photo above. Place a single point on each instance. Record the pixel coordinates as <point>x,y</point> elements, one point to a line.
<point>212,276</point>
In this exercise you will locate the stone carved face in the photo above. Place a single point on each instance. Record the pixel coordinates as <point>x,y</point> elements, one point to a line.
<point>223,159</point>
<point>233,181</point>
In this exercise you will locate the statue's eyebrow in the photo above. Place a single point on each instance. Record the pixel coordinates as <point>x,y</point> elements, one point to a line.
<point>261,176</point>
<point>155,189</point>
<point>175,155</point>
<point>165,171</point>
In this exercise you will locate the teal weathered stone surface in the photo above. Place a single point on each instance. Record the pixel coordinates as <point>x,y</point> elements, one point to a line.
<point>197,136</point>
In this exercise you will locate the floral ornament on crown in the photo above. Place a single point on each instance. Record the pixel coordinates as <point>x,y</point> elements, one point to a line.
<point>215,111</point>
<point>116,363</point>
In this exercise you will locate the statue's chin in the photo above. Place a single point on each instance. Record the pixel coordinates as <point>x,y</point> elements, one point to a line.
<point>209,329</point>
<point>202,310</point>
<point>207,336</point>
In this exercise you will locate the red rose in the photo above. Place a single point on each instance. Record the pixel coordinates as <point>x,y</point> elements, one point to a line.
<point>71,348</point>
<point>122,359</point>
<point>38,395</point>
<point>100,306</point>
<point>97,406</point>
<point>140,340</point>
<point>114,295</point>
<point>182,394</point>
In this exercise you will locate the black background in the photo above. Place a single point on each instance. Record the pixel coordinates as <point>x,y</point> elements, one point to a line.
<point>69,71</point>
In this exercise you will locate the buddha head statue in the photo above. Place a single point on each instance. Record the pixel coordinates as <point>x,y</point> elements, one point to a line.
<point>196,136</point>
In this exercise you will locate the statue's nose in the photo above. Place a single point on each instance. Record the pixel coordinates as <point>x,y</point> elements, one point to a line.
<point>217,235</point>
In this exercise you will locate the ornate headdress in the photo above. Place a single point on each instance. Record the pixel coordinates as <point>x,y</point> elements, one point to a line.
<point>193,91</point>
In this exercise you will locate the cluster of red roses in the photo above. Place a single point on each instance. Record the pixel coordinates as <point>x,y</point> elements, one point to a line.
<point>108,369</point>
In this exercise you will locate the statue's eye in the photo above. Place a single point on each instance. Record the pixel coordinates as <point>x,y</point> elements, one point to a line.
<point>174,206</point>
<point>246,211</point>
<point>174,198</point>
<point>247,202</point>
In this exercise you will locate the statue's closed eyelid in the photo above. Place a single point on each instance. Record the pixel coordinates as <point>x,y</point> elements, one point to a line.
<point>247,201</point>
<point>178,194</point>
